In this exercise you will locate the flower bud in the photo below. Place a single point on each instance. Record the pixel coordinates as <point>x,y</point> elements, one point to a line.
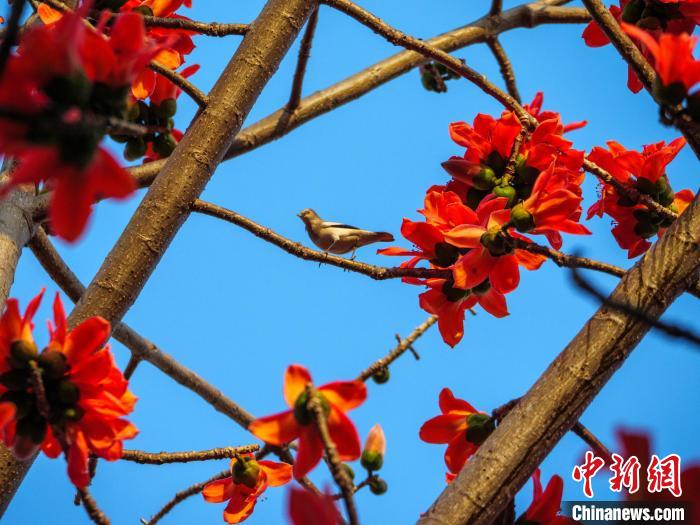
<point>646,229</point>
<point>74,413</point>
<point>485,179</point>
<point>646,186</point>
<point>68,392</point>
<point>495,243</point>
<point>377,486</point>
<point>479,427</point>
<point>382,375</point>
<point>302,414</point>
<point>164,144</point>
<point>245,471</point>
<point>451,293</point>
<point>521,218</point>
<point>23,351</point>
<point>633,11</point>
<point>375,448</point>
<point>167,108</point>
<point>505,191</point>
<point>53,363</point>
<point>135,149</point>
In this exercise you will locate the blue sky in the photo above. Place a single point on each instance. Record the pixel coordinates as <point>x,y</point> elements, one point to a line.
<point>238,310</point>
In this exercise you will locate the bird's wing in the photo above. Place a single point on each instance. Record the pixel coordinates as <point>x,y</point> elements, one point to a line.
<point>338,225</point>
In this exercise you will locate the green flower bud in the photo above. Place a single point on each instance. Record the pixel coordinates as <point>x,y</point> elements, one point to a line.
<point>74,413</point>
<point>446,255</point>
<point>485,179</point>
<point>495,243</point>
<point>23,351</point>
<point>453,294</point>
<point>381,376</point>
<point>633,11</point>
<point>479,427</point>
<point>521,218</point>
<point>246,471</point>
<point>164,144</point>
<point>372,460</point>
<point>53,363</point>
<point>302,414</point>
<point>69,90</point>
<point>646,186</point>
<point>167,108</point>
<point>645,229</point>
<point>135,149</point>
<point>378,486</point>
<point>68,392</point>
<point>505,191</point>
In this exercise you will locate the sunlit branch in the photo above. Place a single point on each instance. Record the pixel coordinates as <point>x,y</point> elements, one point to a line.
<point>505,66</point>
<point>302,61</point>
<point>188,87</point>
<point>162,458</point>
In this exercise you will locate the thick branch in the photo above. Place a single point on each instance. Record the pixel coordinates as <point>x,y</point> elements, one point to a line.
<point>556,401</point>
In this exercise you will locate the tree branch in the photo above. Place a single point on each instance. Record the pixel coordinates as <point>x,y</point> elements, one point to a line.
<point>505,66</point>
<point>302,61</point>
<point>556,401</point>
<point>162,458</point>
<point>188,87</point>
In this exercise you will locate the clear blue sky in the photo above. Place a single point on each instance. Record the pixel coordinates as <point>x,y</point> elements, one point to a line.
<point>238,310</point>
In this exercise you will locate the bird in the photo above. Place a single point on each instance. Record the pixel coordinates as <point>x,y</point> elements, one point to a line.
<point>339,238</point>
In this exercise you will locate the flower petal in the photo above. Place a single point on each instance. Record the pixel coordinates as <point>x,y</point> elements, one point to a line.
<point>276,429</point>
<point>296,377</point>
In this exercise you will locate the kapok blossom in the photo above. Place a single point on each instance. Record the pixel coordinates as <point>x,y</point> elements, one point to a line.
<point>678,71</point>
<point>87,394</point>
<point>490,255</point>
<point>69,80</point>
<point>645,172</point>
<point>336,398</point>
<point>657,17</point>
<point>308,508</point>
<point>546,504</point>
<point>461,426</point>
<point>248,481</point>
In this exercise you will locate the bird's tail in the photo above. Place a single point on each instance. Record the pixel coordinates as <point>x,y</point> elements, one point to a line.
<point>382,237</point>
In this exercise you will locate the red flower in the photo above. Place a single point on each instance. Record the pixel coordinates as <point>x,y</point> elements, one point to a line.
<point>449,303</point>
<point>489,143</point>
<point>490,256</point>
<point>460,426</point>
<point>308,508</point>
<point>553,206</point>
<point>337,398</point>
<point>673,61</point>
<point>645,172</point>
<point>75,188</point>
<point>545,506</point>
<point>639,444</point>
<point>87,394</point>
<point>249,479</point>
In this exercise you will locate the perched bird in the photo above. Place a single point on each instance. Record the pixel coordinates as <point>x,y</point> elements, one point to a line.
<point>334,237</point>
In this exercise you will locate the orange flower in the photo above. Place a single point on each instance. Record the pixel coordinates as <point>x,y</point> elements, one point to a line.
<point>544,509</point>
<point>86,392</point>
<point>248,480</point>
<point>461,426</point>
<point>337,398</point>
<point>308,508</point>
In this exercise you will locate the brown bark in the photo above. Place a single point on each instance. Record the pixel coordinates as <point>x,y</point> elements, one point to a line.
<point>558,398</point>
<point>184,176</point>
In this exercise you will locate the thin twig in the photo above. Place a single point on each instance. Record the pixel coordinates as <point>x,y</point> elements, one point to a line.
<point>188,87</point>
<point>130,368</point>
<point>302,61</point>
<point>182,496</point>
<point>162,458</point>
<point>365,482</point>
<point>90,506</point>
<point>398,350</point>
<point>399,38</point>
<point>340,474</point>
<point>628,191</point>
<point>672,330</point>
<point>496,7</point>
<point>505,65</point>
<point>203,28</point>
